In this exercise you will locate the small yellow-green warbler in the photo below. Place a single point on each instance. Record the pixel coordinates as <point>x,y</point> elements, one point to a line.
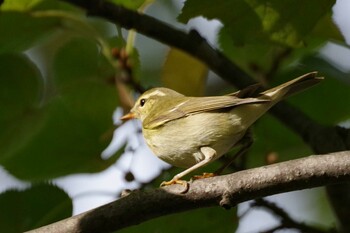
<point>191,132</point>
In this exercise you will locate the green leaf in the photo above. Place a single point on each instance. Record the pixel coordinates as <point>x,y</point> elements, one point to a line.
<point>34,207</point>
<point>268,21</point>
<point>258,55</point>
<point>189,78</point>
<point>19,79</point>
<point>19,5</point>
<point>77,118</point>
<point>241,20</point>
<point>20,89</point>
<point>288,22</point>
<point>265,56</point>
<point>19,31</point>
<point>133,5</point>
<point>272,138</point>
<point>326,102</point>
<point>25,23</point>
<point>319,206</point>
<point>31,5</point>
<point>212,219</point>
<point>269,35</point>
<point>326,29</point>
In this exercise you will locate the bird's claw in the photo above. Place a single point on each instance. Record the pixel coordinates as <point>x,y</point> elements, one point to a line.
<point>174,181</point>
<point>204,175</point>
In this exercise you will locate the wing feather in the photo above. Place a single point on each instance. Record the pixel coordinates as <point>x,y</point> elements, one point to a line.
<point>194,105</point>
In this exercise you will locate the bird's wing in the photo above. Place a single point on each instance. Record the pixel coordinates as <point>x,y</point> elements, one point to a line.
<point>250,91</point>
<point>195,105</point>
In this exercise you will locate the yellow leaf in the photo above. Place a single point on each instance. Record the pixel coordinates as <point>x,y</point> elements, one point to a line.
<point>184,73</point>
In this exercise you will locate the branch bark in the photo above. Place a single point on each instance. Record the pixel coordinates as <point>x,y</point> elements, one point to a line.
<point>225,191</point>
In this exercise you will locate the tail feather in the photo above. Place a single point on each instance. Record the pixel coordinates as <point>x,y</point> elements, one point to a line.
<point>249,113</point>
<point>294,86</point>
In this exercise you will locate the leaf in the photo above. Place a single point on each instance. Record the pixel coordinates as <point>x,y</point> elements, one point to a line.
<point>268,21</point>
<point>242,22</point>
<point>288,22</point>
<point>326,102</point>
<point>265,56</point>
<point>18,5</point>
<point>25,23</point>
<point>322,210</point>
<point>39,205</point>
<point>133,5</point>
<point>212,219</point>
<point>272,138</point>
<point>252,54</point>
<point>327,30</point>
<point>20,89</point>
<point>19,31</point>
<point>77,118</point>
<point>32,5</point>
<point>184,73</point>
<point>269,35</point>
<point>19,79</point>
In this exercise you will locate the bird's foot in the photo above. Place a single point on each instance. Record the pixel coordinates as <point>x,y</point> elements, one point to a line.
<point>203,176</point>
<point>184,183</point>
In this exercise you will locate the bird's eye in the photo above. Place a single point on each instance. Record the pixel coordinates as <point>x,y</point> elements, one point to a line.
<point>142,102</point>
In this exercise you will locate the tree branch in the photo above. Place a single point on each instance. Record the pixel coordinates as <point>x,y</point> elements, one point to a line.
<point>191,42</point>
<point>226,191</point>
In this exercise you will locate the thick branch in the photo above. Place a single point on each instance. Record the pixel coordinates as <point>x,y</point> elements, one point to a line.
<point>226,191</point>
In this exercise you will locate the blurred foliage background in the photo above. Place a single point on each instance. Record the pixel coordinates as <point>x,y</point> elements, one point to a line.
<point>60,74</point>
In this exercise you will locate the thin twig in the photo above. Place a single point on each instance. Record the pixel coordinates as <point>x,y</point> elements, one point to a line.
<point>286,220</point>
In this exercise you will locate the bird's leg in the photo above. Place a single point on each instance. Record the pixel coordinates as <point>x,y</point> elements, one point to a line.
<point>246,143</point>
<point>208,152</point>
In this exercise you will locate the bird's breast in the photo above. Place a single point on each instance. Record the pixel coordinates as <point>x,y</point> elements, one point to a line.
<point>178,142</point>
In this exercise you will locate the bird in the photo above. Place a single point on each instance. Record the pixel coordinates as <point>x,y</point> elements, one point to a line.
<point>190,132</point>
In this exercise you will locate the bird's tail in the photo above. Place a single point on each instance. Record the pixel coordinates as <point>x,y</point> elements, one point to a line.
<point>249,113</point>
<point>292,87</point>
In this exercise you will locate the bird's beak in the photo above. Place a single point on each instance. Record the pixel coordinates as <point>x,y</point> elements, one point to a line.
<point>128,116</point>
